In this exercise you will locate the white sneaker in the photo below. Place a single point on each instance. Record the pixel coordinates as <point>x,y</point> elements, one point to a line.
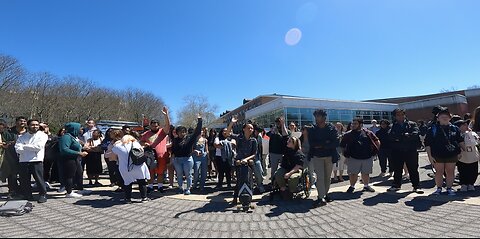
<point>438,191</point>
<point>464,189</point>
<point>314,187</point>
<point>61,190</point>
<point>471,188</point>
<point>74,195</point>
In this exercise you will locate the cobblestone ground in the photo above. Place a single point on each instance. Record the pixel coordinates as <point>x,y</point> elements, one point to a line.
<point>379,214</point>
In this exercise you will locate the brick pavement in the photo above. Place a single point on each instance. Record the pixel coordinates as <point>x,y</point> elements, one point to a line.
<point>380,214</point>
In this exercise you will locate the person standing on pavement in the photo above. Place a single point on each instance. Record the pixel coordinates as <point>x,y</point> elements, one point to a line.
<point>182,148</point>
<point>224,158</point>
<point>323,139</point>
<point>93,161</point>
<point>11,162</point>
<point>468,163</point>
<point>88,131</point>
<point>265,150</point>
<point>276,146</point>
<point>247,147</point>
<point>359,147</point>
<point>200,162</point>
<point>31,150</point>
<point>339,167</point>
<point>258,169</point>
<point>385,153</point>
<point>423,132</point>
<point>71,151</point>
<point>404,142</point>
<point>156,138</point>
<point>130,172</point>
<point>444,144</point>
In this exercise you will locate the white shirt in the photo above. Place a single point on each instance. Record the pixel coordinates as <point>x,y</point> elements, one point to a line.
<point>471,155</point>
<point>218,151</point>
<point>89,134</point>
<point>130,173</point>
<point>31,147</point>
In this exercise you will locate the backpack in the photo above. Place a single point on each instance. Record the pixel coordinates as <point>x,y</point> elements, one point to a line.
<point>136,156</point>
<point>151,157</point>
<point>375,144</point>
<point>15,208</point>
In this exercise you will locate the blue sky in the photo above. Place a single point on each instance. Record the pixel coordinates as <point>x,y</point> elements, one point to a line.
<point>230,50</point>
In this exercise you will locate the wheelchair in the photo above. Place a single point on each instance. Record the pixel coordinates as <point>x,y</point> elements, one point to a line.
<point>302,191</point>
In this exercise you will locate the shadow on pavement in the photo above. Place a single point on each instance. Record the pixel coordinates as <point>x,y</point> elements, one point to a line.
<point>385,198</point>
<point>217,204</point>
<point>298,205</point>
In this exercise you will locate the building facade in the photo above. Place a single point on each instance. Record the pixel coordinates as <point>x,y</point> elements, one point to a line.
<point>263,110</point>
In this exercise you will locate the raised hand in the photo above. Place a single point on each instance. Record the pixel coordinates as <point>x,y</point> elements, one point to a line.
<point>199,116</point>
<point>165,110</point>
<point>234,119</point>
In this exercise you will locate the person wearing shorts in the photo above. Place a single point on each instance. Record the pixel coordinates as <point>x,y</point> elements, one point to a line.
<point>360,147</point>
<point>157,139</point>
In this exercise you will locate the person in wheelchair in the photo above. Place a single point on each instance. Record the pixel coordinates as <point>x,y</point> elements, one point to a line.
<point>288,176</point>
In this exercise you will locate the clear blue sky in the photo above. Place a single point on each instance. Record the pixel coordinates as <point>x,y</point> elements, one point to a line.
<point>230,50</point>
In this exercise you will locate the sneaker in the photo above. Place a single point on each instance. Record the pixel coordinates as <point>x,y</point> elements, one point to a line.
<point>368,189</point>
<point>170,187</point>
<point>463,189</point>
<point>73,195</point>
<point>314,186</point>
<point>127,201</point>
<point>61,190</point>
<point>319,203</point>
<point>351,190</point>
<point>438,191</point>
<point>471,188</point>
<point>149,190</point>
<point>451,192</point>
<point>187,192</point>
<point>42,199</point>
<point>328,199</point>
<point>146,200</point>
<point>418,191</point>
<point>161,190</point>
<point>382,175</point>
<point>393,189</point>
<point>48,186</point>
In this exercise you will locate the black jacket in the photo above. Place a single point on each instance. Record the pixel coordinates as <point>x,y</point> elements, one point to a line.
<point>404,137</point>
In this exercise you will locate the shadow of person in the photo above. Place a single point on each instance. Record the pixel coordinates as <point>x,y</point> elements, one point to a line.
<point>385,198</point>
<point>217,204</point>
<point>343,196</point>
<point>280,207</point>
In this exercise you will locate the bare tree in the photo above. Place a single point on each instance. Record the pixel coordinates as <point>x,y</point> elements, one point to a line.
<point>196,104</point>
<point>55,100</point>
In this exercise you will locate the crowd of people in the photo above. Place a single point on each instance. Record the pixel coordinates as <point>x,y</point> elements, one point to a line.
<point>198,156</point>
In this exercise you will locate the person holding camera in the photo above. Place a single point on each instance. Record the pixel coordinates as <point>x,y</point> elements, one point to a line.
<point>444,144</point>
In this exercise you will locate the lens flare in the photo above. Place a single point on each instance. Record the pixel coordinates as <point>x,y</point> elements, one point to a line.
<point>293,37</point>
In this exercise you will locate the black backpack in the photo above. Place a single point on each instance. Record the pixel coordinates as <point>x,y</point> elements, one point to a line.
<point>136,156</point>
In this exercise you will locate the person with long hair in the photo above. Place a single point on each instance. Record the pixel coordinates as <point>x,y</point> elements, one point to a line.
<point>94,159</point>
<point>115,136</point>
<point>182,149</point>
<point>200,166</point>
<point>339,167</point>
<point>223,156</point>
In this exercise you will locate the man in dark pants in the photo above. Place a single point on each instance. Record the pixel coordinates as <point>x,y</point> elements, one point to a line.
<point>404,143</point>
<point>31,150</point>
<point>10,165</point>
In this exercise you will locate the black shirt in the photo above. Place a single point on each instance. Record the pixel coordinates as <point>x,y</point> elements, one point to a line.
<point>382,135</point>
<point>245,147</point>
<point>291,159</point>
<point>323,141</point>
<point>277,143</point>
<point>404,137</point>
<point>444,141</point>
<point>183,148</point>
<point>357,144</point>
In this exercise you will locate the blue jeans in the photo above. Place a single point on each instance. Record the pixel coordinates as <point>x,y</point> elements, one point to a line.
<point>200,170</point>
<point>258,172</point>
<point>184,166</point>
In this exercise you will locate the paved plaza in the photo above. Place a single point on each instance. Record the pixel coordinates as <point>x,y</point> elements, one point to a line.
<point>361,214</point>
